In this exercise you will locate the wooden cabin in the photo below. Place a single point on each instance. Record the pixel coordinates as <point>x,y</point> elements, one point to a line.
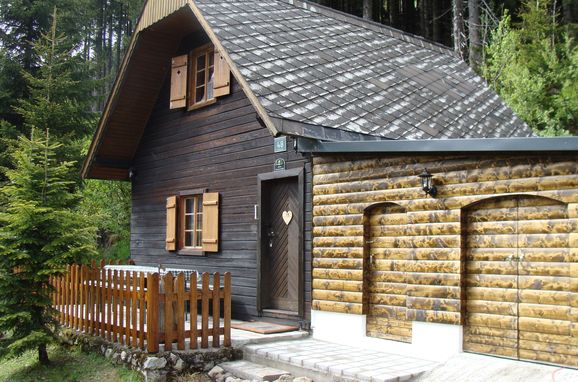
<point>237,123</point>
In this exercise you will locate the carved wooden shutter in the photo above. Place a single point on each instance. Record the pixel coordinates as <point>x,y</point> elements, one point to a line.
<point>222,81</point>
<point>179,81</point>
<point>171,240</point>
<point>211,222</point>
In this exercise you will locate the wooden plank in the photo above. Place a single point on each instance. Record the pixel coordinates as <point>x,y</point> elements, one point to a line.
<point>115,304</point>
<point>180,311</point>
<point>152,317</point>
<point>109,303</point>
<point>216,309</point>
<point>134,311</point>
<point>193,311</point>
<point>227,310</point>
<point>122,320</point>
<point>206,294</point>
<point>142,308</point>
<point>169,298</point>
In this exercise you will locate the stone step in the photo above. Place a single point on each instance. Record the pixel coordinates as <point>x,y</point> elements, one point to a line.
<point>327,362</point>
<point>252,371</point>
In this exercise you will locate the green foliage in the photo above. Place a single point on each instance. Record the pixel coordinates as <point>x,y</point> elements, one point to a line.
<point>40,232</point>
<point>534,67</point>
<point>58,100</point>
<point>107,204</point>
<point>67,365</point>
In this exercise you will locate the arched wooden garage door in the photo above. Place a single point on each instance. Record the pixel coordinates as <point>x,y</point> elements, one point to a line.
<point>386,278</point>
<point>520,294</point>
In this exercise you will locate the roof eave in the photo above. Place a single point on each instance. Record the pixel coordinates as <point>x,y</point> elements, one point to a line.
<point>473,145</point>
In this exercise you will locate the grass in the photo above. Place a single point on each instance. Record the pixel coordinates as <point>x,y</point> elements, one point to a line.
<point>67,365</point>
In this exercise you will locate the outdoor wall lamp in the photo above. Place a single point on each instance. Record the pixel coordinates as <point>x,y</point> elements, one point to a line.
<point>427,183</point>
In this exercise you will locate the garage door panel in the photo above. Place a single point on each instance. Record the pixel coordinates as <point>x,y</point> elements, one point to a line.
<point>493,340</point>
<point>549,347</point>
<point>548,326</point>
<point>548,255</point>
<point>491,281</point>
<point>485,331</point>
<point>388,299</point>
<point>492,228</point>
<point>549,357</point>
<point>544,297</point>
<point>490,349</point>
<point>493,241</point>
<point>543,269</point>
<point>530,212</point>
<point>492,267</point>
<point>554,312</point>
<point>491,254</point>
<point>547,226</point>
<point>547,337</point>
<point>546,283</point>
<point>388,311</point>
<point>492,294</point>
<point>558,240</point>
<point>492,307</point>
<point>492,321</point>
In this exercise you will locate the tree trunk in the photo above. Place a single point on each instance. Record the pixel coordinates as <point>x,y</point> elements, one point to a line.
<point>368,9</point>
<point>393,8</point>
<point>423,18</point>
<point>474,33</point>
<point>436,22</point>
<point>458,27</point>
<point>43,354</point>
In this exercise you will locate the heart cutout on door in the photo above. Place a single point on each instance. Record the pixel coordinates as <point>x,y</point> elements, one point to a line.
<point>287,216</point>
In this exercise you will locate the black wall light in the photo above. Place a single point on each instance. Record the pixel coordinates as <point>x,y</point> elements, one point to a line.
<point>427,183</point>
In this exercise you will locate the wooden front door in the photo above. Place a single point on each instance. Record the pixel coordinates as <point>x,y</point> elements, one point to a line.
<point>281,243</point>
<point>519,281</point>
<point>387,312</point>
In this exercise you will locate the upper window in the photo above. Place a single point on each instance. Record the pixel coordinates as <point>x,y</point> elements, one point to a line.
<point>199,78</point>
<point>202,76</point>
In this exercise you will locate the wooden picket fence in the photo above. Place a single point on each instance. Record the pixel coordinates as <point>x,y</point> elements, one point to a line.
<point>144,310</point>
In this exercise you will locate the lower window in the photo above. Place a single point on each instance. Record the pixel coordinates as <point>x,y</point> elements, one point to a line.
<point>191,222</point>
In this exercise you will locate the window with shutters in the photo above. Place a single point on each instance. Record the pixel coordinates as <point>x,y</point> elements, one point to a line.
<point>199,78</point>
<point>193,222</point>
<point>202,73</point>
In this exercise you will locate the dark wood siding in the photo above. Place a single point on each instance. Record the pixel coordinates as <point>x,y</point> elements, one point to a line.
<point>222,148</point>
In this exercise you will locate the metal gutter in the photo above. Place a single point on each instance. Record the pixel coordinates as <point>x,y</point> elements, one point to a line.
<point>476,145</point>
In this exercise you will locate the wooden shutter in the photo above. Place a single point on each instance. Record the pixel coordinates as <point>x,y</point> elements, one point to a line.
<point>211,222</point>
<point>179,81</point>
<point>171,240</point>
<point>222,79</point>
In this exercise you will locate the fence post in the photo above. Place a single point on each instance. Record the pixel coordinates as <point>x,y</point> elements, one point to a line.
<point>227,310</point>
<point>180,311</point>
<point>216,309</point>
<point>206,294</point>
<point>152,312</point>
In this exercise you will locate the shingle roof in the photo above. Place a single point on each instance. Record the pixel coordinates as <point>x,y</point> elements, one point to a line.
<point>317,66</point>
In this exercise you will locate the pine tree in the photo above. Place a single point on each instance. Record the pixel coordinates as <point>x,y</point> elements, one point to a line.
<point>534,67</point>
<point>40,232</point>
<point>60,95</point>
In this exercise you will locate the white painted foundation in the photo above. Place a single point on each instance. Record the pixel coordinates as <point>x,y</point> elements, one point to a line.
<point>432,341</point>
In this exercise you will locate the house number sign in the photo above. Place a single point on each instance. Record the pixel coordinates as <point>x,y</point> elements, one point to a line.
<point>280,144</point>
<point>279,164</point>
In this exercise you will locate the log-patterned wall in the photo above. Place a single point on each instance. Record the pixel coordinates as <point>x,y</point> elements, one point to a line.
<point>429,257</point>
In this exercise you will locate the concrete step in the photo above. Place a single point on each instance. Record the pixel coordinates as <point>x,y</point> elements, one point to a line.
<point>328,362</point>
<point>252,371</point>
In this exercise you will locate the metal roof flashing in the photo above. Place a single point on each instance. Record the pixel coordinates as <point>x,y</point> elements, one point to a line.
<point>475,145</point>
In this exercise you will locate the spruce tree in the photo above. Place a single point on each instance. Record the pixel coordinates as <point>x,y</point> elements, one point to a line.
<point>40,232</point>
